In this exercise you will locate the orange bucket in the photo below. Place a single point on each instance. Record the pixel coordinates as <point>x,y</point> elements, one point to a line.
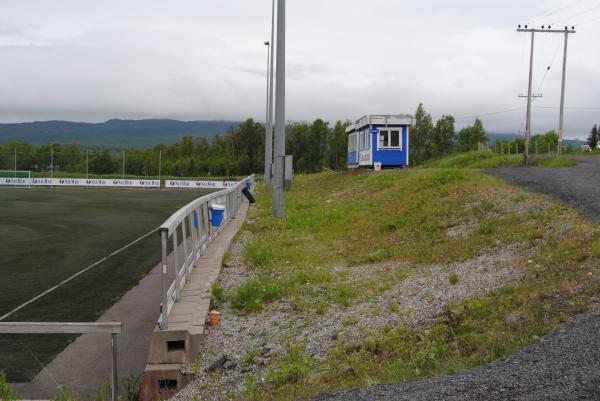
<point>215,317</point>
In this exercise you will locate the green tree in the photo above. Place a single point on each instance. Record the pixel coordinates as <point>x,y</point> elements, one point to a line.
<point>338,146</point>
<point>444,135</point>
<point>422,146</point>
<point>102,163</point>
<point>469,138</point>
<point>593,138</point>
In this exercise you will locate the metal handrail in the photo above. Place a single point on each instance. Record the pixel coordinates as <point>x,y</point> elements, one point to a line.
<point>195,217</point>
<point>112,328</point>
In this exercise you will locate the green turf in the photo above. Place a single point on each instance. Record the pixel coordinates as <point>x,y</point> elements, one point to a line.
<point>46,235</point>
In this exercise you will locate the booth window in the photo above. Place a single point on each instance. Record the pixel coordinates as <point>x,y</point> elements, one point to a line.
<point>389,139</point>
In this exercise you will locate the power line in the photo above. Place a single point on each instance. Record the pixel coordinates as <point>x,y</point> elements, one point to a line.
<point>588,21</point>
<point>489,114</point>
<point>567,108</point>
<point>580,13</point>
<point>549,67</point>
<point>549,13</point>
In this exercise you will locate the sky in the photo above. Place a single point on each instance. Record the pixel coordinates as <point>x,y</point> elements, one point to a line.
<point>86,60</point>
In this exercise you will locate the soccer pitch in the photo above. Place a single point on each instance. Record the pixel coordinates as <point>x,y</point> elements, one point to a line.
<point>47,235</point>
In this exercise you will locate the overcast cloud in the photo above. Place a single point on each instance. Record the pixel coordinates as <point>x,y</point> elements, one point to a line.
<point>196,59</point>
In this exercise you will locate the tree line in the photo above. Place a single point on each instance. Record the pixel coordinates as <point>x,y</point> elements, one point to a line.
<point>315,146</point>
<point>429,141</point>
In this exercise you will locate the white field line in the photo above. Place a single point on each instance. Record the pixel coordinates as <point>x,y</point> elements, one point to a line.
<point>65,281</point>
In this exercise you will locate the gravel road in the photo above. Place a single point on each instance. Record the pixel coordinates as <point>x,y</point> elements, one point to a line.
<point>577,186</point>
<point>564,365</point>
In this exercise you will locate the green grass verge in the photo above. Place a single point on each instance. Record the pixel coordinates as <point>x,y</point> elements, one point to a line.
<point>358,218</point>
<point>46,235</point>
<point>488,159</point>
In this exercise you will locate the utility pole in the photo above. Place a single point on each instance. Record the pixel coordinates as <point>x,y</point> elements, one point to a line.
<point>87,164</point>
<point>561,121</point>
<point>268,134</point>
<point>269,126</point>
<point>278,185</point>
<point>123,164</point>
<point>528,129</point>
<point>533,31</point>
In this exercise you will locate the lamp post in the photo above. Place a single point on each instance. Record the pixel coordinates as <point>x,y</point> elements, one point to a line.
<point>268,124</point>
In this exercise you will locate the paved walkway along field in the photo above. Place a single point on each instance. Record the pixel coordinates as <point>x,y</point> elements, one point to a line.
<point>565,365</point>
<point>85,365</point>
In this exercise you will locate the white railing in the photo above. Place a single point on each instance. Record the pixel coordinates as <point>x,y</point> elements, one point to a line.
<point>193,222</point>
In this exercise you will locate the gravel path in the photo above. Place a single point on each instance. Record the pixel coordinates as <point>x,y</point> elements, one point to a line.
<point>577,186</point>
<point>565,365</point>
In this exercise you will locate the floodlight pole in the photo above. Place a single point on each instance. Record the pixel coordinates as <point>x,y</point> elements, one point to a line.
<point>268,134</point>
<point>51,163</point>
<point>278,185</point>
<point>159,165</point>
<point>123,165</point>
<point>15,149</point>
<point>87,164</point>
<point>269,127</point>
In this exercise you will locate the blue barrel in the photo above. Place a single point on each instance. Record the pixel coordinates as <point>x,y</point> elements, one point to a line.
<point>248,185</point>
<point>217,212</point>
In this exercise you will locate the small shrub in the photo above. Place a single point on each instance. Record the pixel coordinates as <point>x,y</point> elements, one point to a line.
<point>453,278</point>
<point>6,394</point>
<point>64,394</point>
<point>217,295</point>
<point>343,293</point>
<point>293,369</point>
<point>486,226</point>
<point>252,295</point>
<point>395,308</point>
<point>131,385</point>
<point>595,248</point>
<point>258,255</point>
<point>389,228</point>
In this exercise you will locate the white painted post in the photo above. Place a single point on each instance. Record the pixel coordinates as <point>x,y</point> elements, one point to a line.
<point>176,262</point>
<point>163,235</point>
<point>185,247</point>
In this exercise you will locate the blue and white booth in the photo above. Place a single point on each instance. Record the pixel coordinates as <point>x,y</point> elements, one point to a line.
<point>379,141</point>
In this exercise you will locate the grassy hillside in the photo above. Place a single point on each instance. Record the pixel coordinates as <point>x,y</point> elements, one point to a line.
<point>488,159</point>
<point>374,256</point>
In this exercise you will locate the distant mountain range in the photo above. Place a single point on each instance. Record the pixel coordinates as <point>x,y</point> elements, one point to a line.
<point>493,137</point>
<point>112,133</point>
